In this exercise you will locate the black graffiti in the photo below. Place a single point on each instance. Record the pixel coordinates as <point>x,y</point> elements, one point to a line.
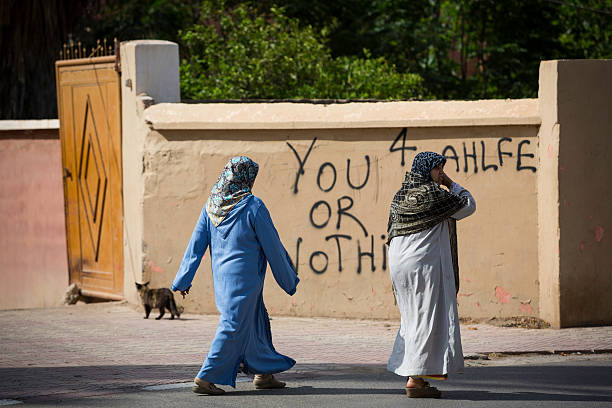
<point>360,254</point>
<point>486,167</point>
<point>314,208</point>
<point>323,166</point>
<point>337,237</point>
<point>322,270</point>
<point>520,167</point>
<point>344,211</point>
<point>348,174</point>
<point>471,156</point>
<point>300,163</point>
<point>297,254</point>
<point>402,149</point>
<point>501,153</point>
<point>384,252</point>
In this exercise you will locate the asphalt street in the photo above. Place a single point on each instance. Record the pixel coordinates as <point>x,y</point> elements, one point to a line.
<point>516,381</point>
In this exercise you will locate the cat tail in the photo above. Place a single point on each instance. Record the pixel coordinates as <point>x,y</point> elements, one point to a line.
<point>173,309</point>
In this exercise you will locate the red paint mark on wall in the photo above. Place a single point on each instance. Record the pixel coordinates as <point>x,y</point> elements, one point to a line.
<point>154,268</point>
<point>581,246</point>
<point>477,304</point>
<point>550,151</point>
<point>599,231</point>
<point>526,308</point>
<point>502,295</point>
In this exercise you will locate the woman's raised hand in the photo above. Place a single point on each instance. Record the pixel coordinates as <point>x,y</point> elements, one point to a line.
<point>445,180</point>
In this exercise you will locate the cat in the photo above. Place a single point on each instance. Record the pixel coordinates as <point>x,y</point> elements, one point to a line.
<point>158,298</point>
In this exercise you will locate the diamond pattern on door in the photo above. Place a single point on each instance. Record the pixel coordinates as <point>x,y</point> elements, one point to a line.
<point>89,109</point>
<point>92,178</point>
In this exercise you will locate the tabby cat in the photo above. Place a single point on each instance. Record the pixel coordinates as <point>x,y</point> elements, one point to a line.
<point>157,298</point>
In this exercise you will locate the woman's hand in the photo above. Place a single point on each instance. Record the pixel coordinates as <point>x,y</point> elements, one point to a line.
<point>184,293</point>
<point>445,180</point>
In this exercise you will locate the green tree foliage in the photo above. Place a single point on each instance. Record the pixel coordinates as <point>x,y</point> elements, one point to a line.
<point>462,49</point>
<point>466,49</point>
<point>240,52</point>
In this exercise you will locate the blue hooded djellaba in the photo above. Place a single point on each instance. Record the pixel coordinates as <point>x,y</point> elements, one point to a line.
<point>237,227</point>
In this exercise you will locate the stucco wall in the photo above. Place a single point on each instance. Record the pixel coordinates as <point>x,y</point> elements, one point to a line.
<point>581,136</point>
<point>33,263</point>
<point>324,215</point>
<point>323,212</point>
<point>536,245</point>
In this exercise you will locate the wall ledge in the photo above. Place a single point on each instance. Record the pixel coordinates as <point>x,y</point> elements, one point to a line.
<point>30,124</point>
<point>253,116</point>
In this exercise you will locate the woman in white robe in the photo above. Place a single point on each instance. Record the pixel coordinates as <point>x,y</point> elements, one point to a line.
<point>421,224</point>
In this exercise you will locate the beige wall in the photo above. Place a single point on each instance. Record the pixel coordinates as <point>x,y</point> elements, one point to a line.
<point>33,261</point>
<point>498,248</point>
<point>576,194</point>
<point>531,248</point>
<point>149,75</point>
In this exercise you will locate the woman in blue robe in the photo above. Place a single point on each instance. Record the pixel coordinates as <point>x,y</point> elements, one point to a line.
<point>237,227</point>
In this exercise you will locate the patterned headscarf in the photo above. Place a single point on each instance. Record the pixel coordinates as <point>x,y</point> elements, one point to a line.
<point>234,184</point>
<point>424,162</point>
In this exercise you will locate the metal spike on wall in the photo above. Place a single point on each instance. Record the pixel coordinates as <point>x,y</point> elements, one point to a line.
<point>72,50</point>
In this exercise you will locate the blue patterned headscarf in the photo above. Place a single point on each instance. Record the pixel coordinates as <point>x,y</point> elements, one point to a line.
<point>424,162</point>
<point>234,184</point>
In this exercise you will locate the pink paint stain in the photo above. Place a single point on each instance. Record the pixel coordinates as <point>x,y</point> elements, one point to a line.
<point>526,308</point>
<point>550,151</point>
<point>154,268</point>
<point>599,231</point>
<point>478,304</point>
<point>502,295</point>
<point>581,246</point>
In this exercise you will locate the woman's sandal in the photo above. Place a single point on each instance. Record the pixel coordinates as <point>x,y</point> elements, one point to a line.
<point>423,392</point>
<point>206,388</point>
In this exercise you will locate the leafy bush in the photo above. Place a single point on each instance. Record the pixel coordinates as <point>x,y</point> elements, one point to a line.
<point>240,53</point>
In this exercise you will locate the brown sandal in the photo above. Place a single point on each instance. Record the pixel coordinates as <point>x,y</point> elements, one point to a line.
<point>423,392</point>
<point>267,381</point>
<point>206,388</point>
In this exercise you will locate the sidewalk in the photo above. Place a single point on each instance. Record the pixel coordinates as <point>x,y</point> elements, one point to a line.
<point>108,347</point>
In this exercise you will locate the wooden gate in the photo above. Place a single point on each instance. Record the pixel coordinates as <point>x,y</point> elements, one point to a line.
<point>89,110</point>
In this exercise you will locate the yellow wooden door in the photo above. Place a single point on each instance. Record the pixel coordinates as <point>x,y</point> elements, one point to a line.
<point>89,109</point>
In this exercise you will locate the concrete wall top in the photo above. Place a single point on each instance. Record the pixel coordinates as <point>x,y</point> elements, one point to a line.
<point>287,115</point>
<point>40,124</point>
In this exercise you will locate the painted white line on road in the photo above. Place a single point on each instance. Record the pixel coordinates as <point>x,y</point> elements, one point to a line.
<point>10,402</point>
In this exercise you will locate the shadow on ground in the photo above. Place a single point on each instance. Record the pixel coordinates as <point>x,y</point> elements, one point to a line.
<point>558,382</point>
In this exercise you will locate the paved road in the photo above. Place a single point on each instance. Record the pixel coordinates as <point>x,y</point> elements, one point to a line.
<point>542,384</point>
<point>71,353</point>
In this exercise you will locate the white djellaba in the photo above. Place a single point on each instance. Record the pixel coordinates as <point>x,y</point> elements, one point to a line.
<point>428,341</point>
